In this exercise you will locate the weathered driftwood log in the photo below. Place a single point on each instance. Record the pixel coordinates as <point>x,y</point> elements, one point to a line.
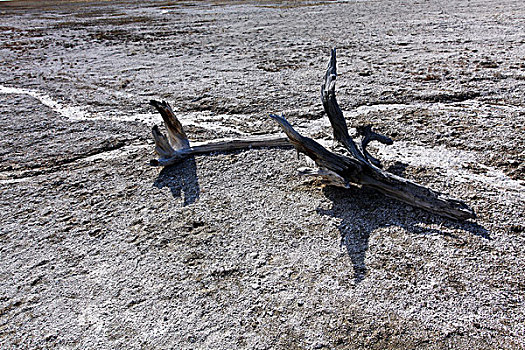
<point>359,168</point>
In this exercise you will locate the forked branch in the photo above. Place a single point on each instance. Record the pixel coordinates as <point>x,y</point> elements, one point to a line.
<point>369,135</point>
<point>176,147</point>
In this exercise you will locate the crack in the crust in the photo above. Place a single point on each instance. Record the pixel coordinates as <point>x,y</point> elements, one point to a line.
<point>56,165</point>
<point>449,97</point>
<point>441,97</point>
<point>106,148</point>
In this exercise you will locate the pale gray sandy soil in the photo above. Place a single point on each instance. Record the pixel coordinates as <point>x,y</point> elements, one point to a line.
<point>235,251</point>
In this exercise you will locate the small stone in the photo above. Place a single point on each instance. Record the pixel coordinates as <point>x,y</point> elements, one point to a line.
<point>95,232</point>
<point>136,221</point>
<point>50,336</point>
<point>192,339</point>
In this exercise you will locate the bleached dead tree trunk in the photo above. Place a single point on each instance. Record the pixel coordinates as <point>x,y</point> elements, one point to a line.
<point>357,168</point>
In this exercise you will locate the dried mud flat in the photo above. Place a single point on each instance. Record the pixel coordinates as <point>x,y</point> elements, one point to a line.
<point>234,251</point>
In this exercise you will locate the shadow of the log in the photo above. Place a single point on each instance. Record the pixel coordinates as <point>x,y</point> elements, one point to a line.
<point>398,168</point>
<point>181,179</point>
<point>348,205</point>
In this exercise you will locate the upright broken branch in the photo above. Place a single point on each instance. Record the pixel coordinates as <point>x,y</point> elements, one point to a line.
<point>333,111</point>
<point>176,135</point>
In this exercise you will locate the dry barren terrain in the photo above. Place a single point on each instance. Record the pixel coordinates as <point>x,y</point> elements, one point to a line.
<point>236,251</point>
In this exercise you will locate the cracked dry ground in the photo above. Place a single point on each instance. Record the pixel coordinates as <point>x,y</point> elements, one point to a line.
<point>235,251</point>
